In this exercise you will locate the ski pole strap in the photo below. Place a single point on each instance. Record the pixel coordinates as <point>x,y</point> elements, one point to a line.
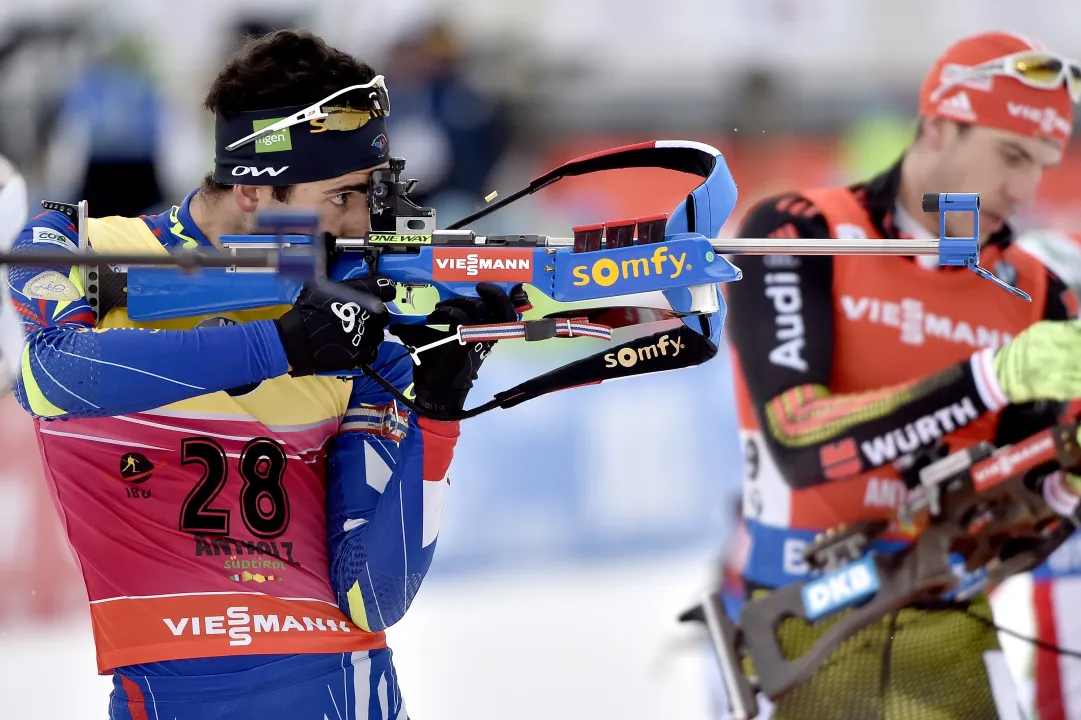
<point>666,350</point>
<point>542,329</point>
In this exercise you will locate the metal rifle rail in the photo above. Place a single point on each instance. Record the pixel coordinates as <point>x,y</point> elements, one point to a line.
<point>751,246</point>
<point>853,246</point>
<point>187,259</point>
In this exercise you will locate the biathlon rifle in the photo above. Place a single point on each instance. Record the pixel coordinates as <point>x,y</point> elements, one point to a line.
<point>977,516</point>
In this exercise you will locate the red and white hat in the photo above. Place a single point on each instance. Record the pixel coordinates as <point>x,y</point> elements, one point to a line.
<point>998,96</point>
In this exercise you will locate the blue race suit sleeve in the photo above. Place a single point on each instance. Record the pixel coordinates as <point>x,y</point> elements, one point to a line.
<point>72,369</point>
<point>386,475</point>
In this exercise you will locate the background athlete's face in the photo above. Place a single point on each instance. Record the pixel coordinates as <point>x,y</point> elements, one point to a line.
<point>342,202</point>
<point>1005,168</point>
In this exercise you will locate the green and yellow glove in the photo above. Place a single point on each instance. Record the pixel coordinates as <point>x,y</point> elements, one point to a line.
<point>1042,363</point>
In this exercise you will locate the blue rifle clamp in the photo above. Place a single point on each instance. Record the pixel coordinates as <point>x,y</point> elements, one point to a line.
<point>300,228</point>
<point>963,251</point>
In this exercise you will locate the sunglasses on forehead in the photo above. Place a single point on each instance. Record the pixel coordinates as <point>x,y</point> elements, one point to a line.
<point>1041,70</point>
<point>347,109</point>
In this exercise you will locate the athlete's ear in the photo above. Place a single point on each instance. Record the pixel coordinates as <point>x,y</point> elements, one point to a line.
<point>936,131</point>
<point>246,197</point>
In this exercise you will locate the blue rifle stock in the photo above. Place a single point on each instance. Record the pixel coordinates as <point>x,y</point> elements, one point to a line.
<point>682,264</point>
<point>450,261</point>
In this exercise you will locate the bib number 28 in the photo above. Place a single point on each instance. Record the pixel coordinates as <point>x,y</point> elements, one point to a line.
<point>264,504</point>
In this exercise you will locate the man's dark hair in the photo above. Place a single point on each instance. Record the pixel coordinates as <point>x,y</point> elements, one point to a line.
<point>279,69</point>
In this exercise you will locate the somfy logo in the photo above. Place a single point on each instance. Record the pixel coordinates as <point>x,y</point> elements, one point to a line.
<point>629,357</point>
<point>350,314</point>
<point>240,170</point>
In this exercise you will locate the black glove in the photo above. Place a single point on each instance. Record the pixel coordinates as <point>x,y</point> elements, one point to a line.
<point>446,373</point>
<point>336,326</point>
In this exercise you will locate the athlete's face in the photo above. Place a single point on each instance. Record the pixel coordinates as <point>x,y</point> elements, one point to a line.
<point>1005,168</point>
<point>342,202</point>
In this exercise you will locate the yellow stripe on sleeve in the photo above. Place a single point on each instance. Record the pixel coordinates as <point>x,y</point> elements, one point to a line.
<point>356,607</point>
<point>39,404</point>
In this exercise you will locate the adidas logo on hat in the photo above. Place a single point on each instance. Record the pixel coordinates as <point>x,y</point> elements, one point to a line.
<point>958,107</point>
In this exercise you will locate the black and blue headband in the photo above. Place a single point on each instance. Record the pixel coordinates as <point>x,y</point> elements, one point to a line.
<point>340,134</point>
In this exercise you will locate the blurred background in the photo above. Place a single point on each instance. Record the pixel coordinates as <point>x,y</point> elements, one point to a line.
<point>579,525</point>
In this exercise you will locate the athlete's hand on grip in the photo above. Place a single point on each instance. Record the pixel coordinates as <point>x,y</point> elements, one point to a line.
<point>1062,490</point>
<point>336,326</point>
<point>1042,363</point>
<point>446,373</point>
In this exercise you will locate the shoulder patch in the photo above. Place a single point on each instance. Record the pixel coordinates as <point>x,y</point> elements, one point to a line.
<point>388,421</point>
<point>49,236</point>
<point>50,285</point>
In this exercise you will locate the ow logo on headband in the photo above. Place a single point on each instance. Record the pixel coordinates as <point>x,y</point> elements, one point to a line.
<point>241,170</point>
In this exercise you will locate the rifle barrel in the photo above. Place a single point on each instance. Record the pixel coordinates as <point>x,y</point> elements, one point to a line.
<point>853,246</point>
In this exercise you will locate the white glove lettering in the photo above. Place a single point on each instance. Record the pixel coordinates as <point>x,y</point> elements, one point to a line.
<point>351,315</point>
